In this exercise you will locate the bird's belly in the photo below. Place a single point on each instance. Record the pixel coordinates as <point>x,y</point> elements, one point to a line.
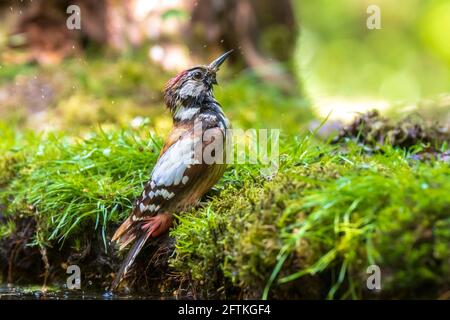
<point>206,181</point>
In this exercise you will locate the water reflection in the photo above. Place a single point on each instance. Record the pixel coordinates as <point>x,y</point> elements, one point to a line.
<point>36,293</point>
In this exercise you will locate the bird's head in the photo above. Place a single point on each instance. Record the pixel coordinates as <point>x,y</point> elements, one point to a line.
<point>190,87</point>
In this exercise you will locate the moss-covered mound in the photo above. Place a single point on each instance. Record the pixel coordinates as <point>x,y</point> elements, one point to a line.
<point>310,231</point>
<point>313,230</point>
<point>372,129</point>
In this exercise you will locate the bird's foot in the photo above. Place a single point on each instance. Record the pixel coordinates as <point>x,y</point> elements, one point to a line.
<point>157,225</point>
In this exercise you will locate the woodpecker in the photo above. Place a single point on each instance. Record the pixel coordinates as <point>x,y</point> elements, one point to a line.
<point>176,182</point>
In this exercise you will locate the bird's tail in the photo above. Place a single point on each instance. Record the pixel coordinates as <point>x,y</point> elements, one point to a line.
<point>132,254</point>
<point>138,232</point>
<point>125,234</point>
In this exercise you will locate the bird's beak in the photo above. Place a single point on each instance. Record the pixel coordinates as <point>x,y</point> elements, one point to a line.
<point>216,63</point>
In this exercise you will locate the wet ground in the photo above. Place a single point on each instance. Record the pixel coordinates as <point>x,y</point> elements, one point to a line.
<point>36,293</point>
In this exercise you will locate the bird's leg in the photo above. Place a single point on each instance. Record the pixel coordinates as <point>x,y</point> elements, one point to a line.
<point>157,225</point>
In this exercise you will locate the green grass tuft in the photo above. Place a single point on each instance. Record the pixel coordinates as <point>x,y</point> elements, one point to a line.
<point>68,183</point>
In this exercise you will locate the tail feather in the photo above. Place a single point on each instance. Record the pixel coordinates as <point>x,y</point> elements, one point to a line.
<point>139,232</point>
<point>132,254</point>
<point>122,233</point>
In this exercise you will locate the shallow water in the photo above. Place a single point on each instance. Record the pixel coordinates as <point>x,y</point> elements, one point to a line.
<point>53,293</point>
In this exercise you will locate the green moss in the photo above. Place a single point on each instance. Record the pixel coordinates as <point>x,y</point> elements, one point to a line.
<point>371,129</point>
<point>308,232</point>
<point>327,215</point>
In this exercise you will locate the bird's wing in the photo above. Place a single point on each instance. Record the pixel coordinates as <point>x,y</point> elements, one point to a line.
<point>175,171</point>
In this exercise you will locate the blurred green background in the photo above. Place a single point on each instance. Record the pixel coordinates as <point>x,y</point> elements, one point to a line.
<point>408,59</point>
<point>304,59</point>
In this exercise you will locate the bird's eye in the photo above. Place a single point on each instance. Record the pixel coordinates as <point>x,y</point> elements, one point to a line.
<point>197,75</point>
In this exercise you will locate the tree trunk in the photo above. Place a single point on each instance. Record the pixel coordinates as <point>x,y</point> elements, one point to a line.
<point>264,32</point>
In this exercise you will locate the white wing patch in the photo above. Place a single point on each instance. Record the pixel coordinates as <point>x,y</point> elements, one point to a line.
<point>168,171</point>
<point>170,168</point>
<point>143,208</point>
<point>161,192</point>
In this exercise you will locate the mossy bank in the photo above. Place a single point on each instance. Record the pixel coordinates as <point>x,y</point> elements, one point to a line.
<point>308,230</point>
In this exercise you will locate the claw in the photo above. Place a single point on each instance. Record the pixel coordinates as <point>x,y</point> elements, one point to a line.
<point>157,225</point>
